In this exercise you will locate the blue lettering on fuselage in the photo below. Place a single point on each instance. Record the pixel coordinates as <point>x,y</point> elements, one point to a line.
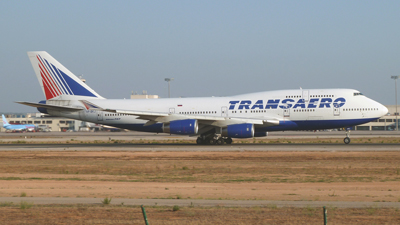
<point>232,104</point>
<point>311,104</point>
<point>244,104</point>
<point>288,103</point>
<point>300,103</point>
<point>339,102</point>
<point>325,102</point>
<point>259,104</point>
<point>272,104</point>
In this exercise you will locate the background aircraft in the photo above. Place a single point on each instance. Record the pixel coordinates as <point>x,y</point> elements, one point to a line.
<point>214,120</point>
<point>18,127</point>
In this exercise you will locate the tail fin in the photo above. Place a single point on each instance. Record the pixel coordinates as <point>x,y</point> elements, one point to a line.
<point>5,122</point>
<point>57,82</point>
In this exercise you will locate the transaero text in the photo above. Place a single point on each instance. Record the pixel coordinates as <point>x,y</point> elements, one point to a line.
<point>287,103</point>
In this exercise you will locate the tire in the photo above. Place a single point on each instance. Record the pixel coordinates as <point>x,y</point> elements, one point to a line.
<point>199,141</point>
<point>346,140</point>
<point>228,141</point>
<point>220,141</point>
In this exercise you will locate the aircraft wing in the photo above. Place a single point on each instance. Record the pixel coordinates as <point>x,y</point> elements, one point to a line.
<point>50,106</point>
<point>159,117</point>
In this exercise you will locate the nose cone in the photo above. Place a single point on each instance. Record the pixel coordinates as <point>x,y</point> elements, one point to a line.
<point>383,109</point>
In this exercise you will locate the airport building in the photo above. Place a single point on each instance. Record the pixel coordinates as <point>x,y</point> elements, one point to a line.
<point>144,95</point>
<point>42,122</point>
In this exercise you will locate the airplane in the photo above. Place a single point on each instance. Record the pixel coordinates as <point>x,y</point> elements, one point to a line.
<point>18,127</point>
<point>213,120</point>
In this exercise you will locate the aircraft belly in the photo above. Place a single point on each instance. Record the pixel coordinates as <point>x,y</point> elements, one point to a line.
<point>66,114</point>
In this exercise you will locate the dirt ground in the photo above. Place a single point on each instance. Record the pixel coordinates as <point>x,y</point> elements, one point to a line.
<point>299,137</point>
<point>352,191</point>
<point>299,176</point>
<point>316,176</point>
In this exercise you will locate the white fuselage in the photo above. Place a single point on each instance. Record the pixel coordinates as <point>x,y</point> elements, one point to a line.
<point>295,109</point>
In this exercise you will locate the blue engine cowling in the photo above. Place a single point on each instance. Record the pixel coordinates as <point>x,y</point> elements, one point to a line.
<point>189,126</point>
<point>245,130</point>
<point>42,110</point>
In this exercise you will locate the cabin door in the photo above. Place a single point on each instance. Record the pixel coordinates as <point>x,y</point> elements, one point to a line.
<point>336,111</point>
<point>305,96</point>
<point>286,112</point>
<point>224,111</point>
<point>99,116</point>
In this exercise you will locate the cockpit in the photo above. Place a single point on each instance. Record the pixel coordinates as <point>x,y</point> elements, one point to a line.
<point>357,93</point>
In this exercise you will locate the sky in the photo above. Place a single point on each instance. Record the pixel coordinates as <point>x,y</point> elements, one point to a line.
<point>210,48</point>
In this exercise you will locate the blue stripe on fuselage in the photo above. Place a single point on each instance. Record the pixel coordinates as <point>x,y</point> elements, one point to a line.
<point>283,125</point>
<point>314,124</point>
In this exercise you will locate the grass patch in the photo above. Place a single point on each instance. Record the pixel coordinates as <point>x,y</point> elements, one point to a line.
<point>6,204</point>
<point>10,178</point>
<point>25,205</point>
<point>106,201</point>
<point>175,208</point>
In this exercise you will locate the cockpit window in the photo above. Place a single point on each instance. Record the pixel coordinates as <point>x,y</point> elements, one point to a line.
<point>357,93</point>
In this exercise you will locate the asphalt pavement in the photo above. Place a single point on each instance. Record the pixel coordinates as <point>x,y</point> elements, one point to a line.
<point>201,202</point>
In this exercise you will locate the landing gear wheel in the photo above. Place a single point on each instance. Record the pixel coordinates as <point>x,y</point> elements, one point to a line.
<point>199,141</point>
<point>346,140</point>
<point>212,141</point>
<point>228,141</point>
<point>220,141</point>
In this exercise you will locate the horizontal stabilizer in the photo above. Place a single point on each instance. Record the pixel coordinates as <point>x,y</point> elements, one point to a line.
<point>53,107</point>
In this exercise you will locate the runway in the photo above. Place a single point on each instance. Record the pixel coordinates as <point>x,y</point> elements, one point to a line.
<point>199,148</point>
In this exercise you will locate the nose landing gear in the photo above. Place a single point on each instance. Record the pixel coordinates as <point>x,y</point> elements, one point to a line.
<point>347,138</point>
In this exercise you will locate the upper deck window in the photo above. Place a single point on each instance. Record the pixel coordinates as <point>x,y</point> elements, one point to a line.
<point>357,93</point>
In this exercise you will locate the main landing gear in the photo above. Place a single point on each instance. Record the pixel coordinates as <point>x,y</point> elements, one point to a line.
<point>347,138</point>
<point>213,140</point>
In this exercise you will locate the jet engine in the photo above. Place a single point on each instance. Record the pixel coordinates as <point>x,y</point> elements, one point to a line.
<point>42,110</point>
<point>189,126</point>
<point>245,130</point>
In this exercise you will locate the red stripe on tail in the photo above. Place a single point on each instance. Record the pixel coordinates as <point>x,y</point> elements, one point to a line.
<point>47,91</point>
<point>50,81</point>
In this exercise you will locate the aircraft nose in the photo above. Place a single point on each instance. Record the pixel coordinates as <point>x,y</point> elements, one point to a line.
<point>384,110</point>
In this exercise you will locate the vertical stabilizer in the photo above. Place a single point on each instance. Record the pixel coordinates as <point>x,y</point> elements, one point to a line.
<point>5,122</point>
<point>57,82</point>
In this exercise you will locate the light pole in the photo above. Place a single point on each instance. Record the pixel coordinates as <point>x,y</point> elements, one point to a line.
<point>169,80</point>
<point>396,113</point>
